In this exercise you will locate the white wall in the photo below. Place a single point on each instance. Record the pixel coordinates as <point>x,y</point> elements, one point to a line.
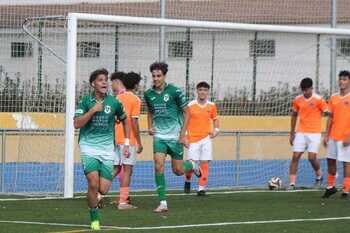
<point>295,57</point>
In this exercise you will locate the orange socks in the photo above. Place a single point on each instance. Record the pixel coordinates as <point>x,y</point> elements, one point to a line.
<point>346,184</point>
<point>203,180</point>
<point>331,180</point>
<point>123,194</point>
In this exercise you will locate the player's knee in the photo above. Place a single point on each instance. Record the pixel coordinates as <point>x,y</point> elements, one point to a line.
<point>312,159</point>
<point>295,159</point>
<point>159,167</point>
<point>93,186</point>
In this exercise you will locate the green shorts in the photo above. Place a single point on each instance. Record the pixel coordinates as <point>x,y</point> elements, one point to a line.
<point>171,147</point>
<point>105,169</point>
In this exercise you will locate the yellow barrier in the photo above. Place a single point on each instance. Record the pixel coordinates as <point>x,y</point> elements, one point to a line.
<point>49,148</point>
<point>56,121</point>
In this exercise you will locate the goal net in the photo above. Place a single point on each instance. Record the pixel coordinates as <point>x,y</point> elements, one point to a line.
<point>254,71</point>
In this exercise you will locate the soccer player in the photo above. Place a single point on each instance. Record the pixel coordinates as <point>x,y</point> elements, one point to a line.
<point>202,125</point>
<point>166,105</point>
<point>309,108</point>
<point>132,106</point>
<point>95,117</point>
<point>337,139</point>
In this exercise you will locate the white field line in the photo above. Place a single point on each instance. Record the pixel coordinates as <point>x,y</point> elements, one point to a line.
<point>186,226</point>
<point>168,194</point>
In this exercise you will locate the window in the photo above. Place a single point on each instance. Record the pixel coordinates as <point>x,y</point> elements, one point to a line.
<point>21,49</point>
<point>180,49</point>
<point>343,47</point>
<point>262,48</point>
<point>88,49</point>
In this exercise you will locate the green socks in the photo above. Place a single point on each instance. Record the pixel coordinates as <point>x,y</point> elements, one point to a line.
<point>160,182</point>
<point>94,215</point>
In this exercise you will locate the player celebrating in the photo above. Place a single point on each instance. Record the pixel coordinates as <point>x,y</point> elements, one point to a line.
<point>95,117</point>
<point>132,106</point>
<point>337,139</point>
<point>199,122</point>
<point>309,107</point>
<point>166,106</point>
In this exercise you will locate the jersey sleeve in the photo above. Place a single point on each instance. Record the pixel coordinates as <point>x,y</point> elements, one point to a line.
<point>82,108</point>
<point>295,106</point>
<point>120,112</point>
<point>214,112</point>
<point>136,109</point>
<point>180,98</point>
<point>323,105</point>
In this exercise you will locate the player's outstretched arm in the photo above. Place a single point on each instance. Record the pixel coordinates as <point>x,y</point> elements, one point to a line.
<point>81,121</point>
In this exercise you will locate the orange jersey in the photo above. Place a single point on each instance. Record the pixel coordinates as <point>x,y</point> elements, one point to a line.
<point>310,113</point>
<point>201,120</point>
<point>339,106</point>
<point>132,107</point>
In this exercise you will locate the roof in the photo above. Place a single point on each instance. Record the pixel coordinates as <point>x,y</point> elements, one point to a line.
<point>246,11</point>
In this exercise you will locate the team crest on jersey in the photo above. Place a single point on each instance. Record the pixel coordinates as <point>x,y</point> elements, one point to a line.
<point>107,109</point>
<point>166,98</point>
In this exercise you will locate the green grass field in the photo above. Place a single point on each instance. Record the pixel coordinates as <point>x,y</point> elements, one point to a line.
<point>244,211</point>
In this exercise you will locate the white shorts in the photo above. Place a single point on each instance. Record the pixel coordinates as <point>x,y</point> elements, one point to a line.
<point>309,142</point>
<point>121,159</point>
<point>201,150</point>
<point>336,150</point>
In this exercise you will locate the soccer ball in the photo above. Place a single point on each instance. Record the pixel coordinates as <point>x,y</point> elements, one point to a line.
<point>275,183</point>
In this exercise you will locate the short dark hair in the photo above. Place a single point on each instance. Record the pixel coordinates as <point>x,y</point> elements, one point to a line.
<point>306,83</point>
<point>118,75</point>
<point>131,80</point>
<point>203,84</point>
<point>96,73</point>
<point>159,66</point>
<point>344,73</point>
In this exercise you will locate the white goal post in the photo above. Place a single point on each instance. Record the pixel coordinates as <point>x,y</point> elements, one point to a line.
<point>71,64</point>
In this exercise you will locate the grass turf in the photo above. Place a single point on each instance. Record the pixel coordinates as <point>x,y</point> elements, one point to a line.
<point>183,210</point>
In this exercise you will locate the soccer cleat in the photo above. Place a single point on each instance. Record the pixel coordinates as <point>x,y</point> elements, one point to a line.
<point>344,195</point>
<point>161,209</point>
<point>187,187</point>
<point>126,206</point>
<point>116,202</point>
<point>318,183</point>
<point>329,192</point>
<point>95,225</point>
<point>201,193</point>
<point>291,187</point>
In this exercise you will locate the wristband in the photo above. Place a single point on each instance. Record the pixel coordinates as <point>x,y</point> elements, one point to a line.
<point>126,141</point>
